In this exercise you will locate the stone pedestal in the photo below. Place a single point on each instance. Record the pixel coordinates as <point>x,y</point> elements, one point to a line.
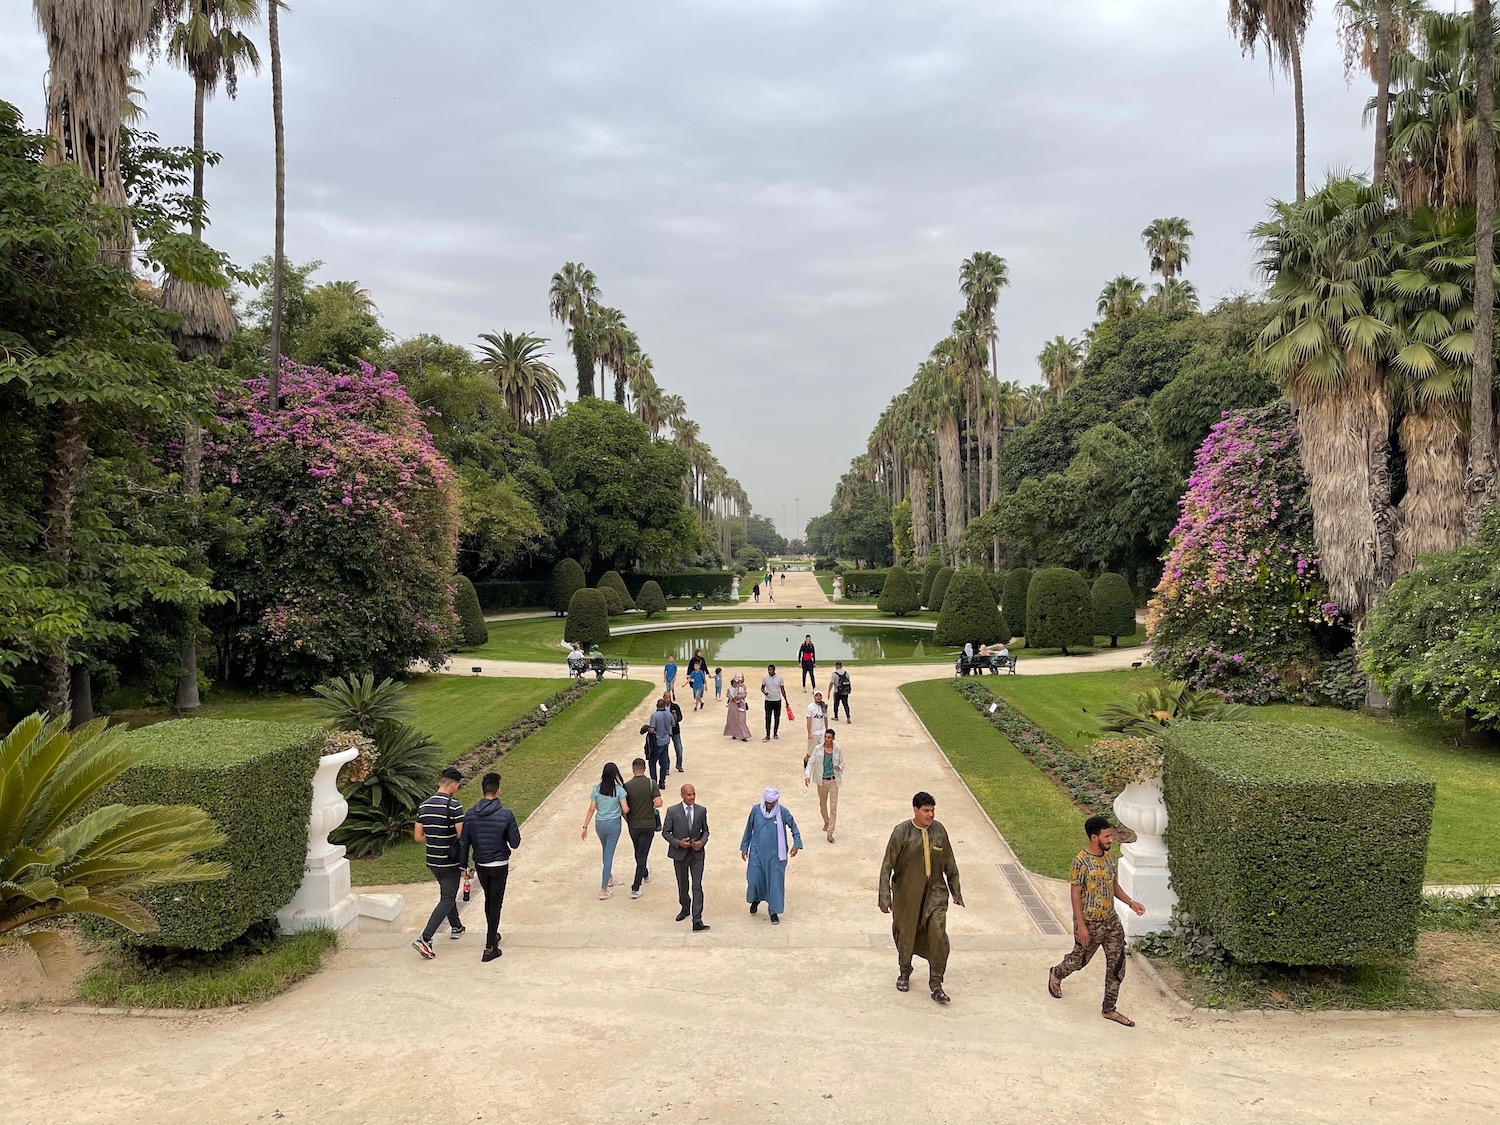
<point>324,899</point>
<point>734,589</point>
<point>1144,874</point>
<point>838,590</point>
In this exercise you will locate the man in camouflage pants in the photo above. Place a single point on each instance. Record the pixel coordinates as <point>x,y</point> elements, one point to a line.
<point>1095,923</point>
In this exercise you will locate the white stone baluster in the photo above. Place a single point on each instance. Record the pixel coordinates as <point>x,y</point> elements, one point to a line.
<point>1144,874</point>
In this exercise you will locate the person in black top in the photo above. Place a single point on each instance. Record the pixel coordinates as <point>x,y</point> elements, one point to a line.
<point>807,657</point>
<point>438,821</point>
<point>489,834</point>
<point>698,661</point>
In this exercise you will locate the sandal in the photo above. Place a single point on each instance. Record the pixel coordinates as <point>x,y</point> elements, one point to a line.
<point>940,996</point>
<point>903,982</point>
<point>1054,986</point>
<point>1119,1018</point>
<point>605,893</point>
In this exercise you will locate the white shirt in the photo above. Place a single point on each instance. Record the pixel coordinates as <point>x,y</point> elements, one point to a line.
<point>772,686</point>
<point>819,718</point>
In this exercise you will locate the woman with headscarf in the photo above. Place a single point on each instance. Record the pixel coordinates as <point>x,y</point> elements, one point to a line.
<point>736,725</point>
<point>764,848</point>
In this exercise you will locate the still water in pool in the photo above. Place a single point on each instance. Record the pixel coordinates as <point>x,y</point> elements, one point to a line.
<point>766,641</point>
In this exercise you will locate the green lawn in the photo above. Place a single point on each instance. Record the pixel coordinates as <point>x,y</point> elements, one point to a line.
<point>528,773</point>
<point>1468,780</point>
<point>1041,824</point>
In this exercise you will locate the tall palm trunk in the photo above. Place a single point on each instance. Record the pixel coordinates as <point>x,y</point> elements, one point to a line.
<point>273,35</point>
<point>64,479</point>
<point>1382,87</point>
<point>1431,514</point>
<point>919,527</point>
<point>1296,53</point>
<point>1480,484</point>
<point>583,360</point>
<point>953,485</point>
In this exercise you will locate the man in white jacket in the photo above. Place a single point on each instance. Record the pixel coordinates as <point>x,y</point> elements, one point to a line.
<point>825,766</point>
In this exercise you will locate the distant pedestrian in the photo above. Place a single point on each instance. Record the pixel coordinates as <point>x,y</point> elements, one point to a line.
<point>490,834</point>
<point>917,875</point>
<point>718,684</point>
<point>773,688</point>
<point>669,674</point>
<point>755,592</point>
<point>643,798</point>
<point>685,828</point>
<point>839,688</point>
<point>439,819</point>
<point>676,713</point>
<point>607,809</point>
<point>698,681</point>
<point>764,849</point>
<point>824,767</point>
<point>1096,926</point>
<point>807,658</point>
<point>658,757</point>
<point>817,723</point>
<point>735,723</point>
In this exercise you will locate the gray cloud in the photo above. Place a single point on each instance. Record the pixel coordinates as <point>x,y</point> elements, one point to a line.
<point>777,193</point>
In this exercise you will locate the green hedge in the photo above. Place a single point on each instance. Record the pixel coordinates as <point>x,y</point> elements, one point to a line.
<point>651,600</point>
<point>1013,600</point>
<point>255,780</point>
<point>1059,610</point>
<point>498,596</point>
<point>470,617</point>
<point>612,580</point>
<point>899,595</point>
<point>1296,845</point>
<point>939,588</point>
<point>567,579</point>
<point>1114,608</point>
<point>703,584</point>
<point>588,618</point>
<point>969,612</point>
<point>864,584</point>
<point>824,563</point>
<point>929,575</point>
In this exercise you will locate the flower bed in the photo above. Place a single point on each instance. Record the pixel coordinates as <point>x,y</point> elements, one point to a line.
<point>497,746</point>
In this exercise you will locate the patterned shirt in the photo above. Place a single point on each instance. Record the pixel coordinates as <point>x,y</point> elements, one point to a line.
<point>1095,874</point>
<point>440,817</point>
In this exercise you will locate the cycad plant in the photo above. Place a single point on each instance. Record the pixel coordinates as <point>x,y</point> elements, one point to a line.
<point>359,703</point>
<point>383,804</point>
<point>56,859</point>
<point>1151,711</point>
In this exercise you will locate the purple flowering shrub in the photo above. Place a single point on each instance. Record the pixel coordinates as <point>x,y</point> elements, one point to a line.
<point>1241,608</point>
<point>354,523</point>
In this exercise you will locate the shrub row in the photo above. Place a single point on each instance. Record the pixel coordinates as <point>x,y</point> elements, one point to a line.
<point>498,596</point>
<point>707,584</point>
<point>503,742</point>
<point>864,583</point>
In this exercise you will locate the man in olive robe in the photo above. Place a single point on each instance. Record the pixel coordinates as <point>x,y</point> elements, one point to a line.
<point>917,875</point>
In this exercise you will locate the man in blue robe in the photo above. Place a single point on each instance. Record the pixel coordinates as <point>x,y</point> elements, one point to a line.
<point>764,847</point>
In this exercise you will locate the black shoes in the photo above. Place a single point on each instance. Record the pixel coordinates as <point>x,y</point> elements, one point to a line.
<point>681,915</point>
<point>458,932</point>
<point>775,919</point>
<point>699,927</point>
<point>754,906</point>
<point>490,953</point>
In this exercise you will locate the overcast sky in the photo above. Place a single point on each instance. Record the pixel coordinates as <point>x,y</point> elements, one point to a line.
<point>776,193</point>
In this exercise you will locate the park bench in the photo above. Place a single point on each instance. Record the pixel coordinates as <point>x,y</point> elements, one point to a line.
<point>995,664</point>
<point>599,666</point>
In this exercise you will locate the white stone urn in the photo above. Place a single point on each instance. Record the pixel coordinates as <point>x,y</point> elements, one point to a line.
<point>324,899</point>
<point>734,589</point>
<point>1144,874</point>
<point>838,590</point>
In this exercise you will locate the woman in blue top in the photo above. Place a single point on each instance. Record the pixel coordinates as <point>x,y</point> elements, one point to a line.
<point>607,807</point>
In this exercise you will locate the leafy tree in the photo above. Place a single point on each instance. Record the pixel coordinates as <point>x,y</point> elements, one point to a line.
<point>1013,600</point>
<point>612,580</point>
<point>752,559</point>
<point>1185,409</point>
<point>969,612</point>
<point>588,618</point>
<point>472,626</point>
<point>1114,608</point>
<point>864,527</point>
<point>651,600</point>
<point>1059,610</point>
<point>929,576</point>
<point>899,596</point>
<point>939,588</point>
<point>567,579</point>
<point>1168,243</point>
<point>903,542</point>
<point>821,534</point>
<point>573,300</point>
<point>761,532</point>
<point>517,363</point>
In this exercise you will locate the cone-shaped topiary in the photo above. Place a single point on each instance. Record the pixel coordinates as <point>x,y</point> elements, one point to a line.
<point>929,575</point>
<point>567,579</point>
<point>899,596</point>
<point>611,579</point>
<point>1114,608</point>
<point>611,601</point>
<point>969,612</point>
<point>651,601</point>
<point>1013,600</point>
<point>939,588</point>
<point>470,616</point>
<point>996,582</point>
<point>588,618</point>
<point>1059,610</point>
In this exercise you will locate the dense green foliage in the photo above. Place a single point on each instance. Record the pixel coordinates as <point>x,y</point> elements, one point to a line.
<point>360,704</point>
<point>939,588</point>
<point>650,600</point>
<point>929,576</point>
<point>1114,608</point>
<point>1296,845</point>
<point>750,559</point>
<point>692,584</point>
<point>969,612</point>
<point>898,594</point>
<point>761,533</point>
<point>863,584</point>
<point>1150,712</point>
<point>499,594</point>
<point>588,618</point>
<point>255,780</point>
<point>471,624</point>
<point>383,803</point>
<point>1435,636</point>
<point>612,603</point>
<point>1013,600</point>
<point>567,579</point>
<point>1059,610</point>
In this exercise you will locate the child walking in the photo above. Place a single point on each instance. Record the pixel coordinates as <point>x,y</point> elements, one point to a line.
<point>718,684</point>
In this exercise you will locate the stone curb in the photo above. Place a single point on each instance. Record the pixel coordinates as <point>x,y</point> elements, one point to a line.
<point>1252,1014</point>
<point>149,1013</point>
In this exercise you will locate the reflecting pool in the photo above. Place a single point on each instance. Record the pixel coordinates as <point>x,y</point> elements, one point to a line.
<point>770,642</point>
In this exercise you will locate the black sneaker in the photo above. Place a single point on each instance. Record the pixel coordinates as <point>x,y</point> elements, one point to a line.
<point>775,919</point>
<point>458,932</point>
<point>422,946</point>
<point>490,953</point>
<point>754,907</point>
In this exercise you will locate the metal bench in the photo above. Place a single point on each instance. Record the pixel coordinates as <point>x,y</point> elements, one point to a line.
<point>995,664</point>
<point>601,666</point>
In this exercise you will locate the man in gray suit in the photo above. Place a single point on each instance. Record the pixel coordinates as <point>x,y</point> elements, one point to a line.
<point>685,829</point>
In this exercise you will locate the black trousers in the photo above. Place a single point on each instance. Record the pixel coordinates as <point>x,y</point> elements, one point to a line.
<point>690,871</point>
<point>447,880</point>
<point>773,715</point>
<point>492,883</point>
<point>844,699</point>
<point>640,839</point>
<point>810,675</point>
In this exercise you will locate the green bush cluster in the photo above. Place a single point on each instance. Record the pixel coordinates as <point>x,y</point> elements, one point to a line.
<point>1296,845</point>
<point>969,612</point>
<point>650,600</point>
<point>939,588</point>
<point>864,584</point>
<point>750,558</point>
<point>929,576</point>
<point>497,596</point>
<point>613,607</point>
<point>1013,600</point>
<point>567,579</point>
<point>1059,610</point>
<point>588,618</point>
<point>996,582</point>
<point>704,584</point>
<point>255,780</point>
<point>824,563</point>
<point>611,580</point>
<point>1114,608</point>
<point>898,595</point>
<point>470,617</point>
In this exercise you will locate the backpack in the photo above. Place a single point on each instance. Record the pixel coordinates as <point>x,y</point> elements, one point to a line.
<point>842,687</point>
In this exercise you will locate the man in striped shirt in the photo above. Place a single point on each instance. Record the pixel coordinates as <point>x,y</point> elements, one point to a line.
<point>438,822</point>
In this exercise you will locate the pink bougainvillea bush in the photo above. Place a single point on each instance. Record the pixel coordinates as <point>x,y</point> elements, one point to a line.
<point>352,517</point>
<point>1241,608</point>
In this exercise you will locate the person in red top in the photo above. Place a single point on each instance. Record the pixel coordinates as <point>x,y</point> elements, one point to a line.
<point>807,657</point>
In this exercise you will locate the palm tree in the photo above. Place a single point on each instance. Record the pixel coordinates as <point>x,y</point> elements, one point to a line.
<point>1176,295</point>
<point>1034,401</point>
<point>532,390</point>
<point>278,253</point>
<point>1481,468</point>
<point>1369,31</point>
<point>1169,242</point>
<point>1279,25</point>
<point>1120,298</point>
<point>1061,363</point>
<point>940,389</point>
<point>612,342</point>
<point>573,301</point>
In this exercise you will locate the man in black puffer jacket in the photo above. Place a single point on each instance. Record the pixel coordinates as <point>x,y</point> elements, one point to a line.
<point>490,832</point>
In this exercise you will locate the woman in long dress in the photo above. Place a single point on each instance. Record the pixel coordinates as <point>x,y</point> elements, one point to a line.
<point>735,725</point>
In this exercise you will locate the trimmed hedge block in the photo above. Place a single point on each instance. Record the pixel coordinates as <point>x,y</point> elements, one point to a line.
<point>611,579</point>
<point>898,595</point>
<point>1114,608</point>
<point>704,584</point>
<point>969,612</point>
<point>864,584</point>
<point>588,618</point>
<point>567,579</point>
<point>470,617</point>
<point>651,600</point>
<point>499,595</point>
<point>929,575</point>
<point>1013,600</point>
<point>939,588</point>
<point>1059,610</point>
<point>1296,845</point>
<point>255,780</point>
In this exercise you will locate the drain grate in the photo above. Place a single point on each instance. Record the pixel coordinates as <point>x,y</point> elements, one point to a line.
<point>1040,915</point>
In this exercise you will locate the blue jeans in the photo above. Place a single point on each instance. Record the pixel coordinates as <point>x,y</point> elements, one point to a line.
<point>659,764</point>
<point>608,832</point>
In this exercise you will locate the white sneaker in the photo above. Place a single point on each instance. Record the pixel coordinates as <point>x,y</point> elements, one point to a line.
<point>635,894</point>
